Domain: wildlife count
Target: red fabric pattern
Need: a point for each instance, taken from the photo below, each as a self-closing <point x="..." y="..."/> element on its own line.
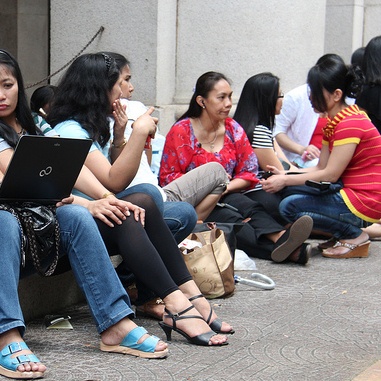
<point x="182" y="153"/>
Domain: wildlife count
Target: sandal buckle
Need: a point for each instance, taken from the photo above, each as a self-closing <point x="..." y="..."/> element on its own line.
<point x="11" y="348"/>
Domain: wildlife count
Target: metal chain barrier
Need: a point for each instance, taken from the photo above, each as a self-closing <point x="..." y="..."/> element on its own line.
<point x="46" y="79"/>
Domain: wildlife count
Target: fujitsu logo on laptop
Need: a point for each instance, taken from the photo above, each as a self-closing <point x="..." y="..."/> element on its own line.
<point x="45" y="172"/>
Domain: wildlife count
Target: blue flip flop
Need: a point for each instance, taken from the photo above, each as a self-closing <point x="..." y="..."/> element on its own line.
<point x="9" y="364"/>
<point x="131" y="346"/>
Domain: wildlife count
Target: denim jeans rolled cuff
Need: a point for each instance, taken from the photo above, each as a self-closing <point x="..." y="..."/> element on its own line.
<point x="92" y="268"/>
<point x="329" y="213"/>
<point x="19" y="324"/>
<point x="149" y="189"/>
<point x="195" y="185"/>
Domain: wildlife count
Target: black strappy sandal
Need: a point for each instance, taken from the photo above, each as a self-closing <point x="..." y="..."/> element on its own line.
<point x="216" y="324"/>
<point x="202" y="339"/>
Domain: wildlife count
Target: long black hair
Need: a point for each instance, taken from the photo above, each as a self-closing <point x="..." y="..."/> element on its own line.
<point x="204" y="86"/>
<point x="256" y="105"/>
<point x="331" y="74"/>
<point x="23" y="113"/>
<point x="371" y="63"/>
<point x="83" y="95"/>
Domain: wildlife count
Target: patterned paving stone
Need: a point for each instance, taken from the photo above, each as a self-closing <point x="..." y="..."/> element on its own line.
<point x="321" y="322"/>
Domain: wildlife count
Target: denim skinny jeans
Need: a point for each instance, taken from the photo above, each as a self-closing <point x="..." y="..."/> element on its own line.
<point x="329" y="212"/>
<point x="95" y="275"/>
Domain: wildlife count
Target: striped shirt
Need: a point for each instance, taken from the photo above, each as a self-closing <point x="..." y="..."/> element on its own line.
<point x="362" y="177"/>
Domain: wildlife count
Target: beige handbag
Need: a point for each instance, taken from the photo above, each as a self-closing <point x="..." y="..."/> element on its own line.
<point x="210" y="262"/>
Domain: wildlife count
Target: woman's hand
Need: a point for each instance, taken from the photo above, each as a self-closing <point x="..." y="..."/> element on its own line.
<point x="121" y="118"/>
<point x="146" y="123"/>
<point x="311" y="153"/>
<point x="112" y="209"/>
<point x="275" y="170"/>
<point x="274" y="183"/>
<point x="65" y="201"/>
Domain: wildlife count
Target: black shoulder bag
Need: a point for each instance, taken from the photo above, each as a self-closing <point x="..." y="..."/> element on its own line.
<point x="40" y="234"/>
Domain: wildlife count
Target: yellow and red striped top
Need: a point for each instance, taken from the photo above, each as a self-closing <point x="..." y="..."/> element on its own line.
<point x="362" y="177"/>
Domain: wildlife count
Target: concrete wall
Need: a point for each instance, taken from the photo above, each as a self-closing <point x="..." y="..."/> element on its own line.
<point x="25" y="33"/>
<point x="344" y="27"/>
<point x="372" y="20"/>
<point x="33" y="39"/>
<point x="8" y="35"/>
<point x="171" y="43"/>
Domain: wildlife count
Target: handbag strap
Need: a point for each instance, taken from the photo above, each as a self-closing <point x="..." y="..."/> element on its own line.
<point x="214" y="234"/>
<point x="27" y="222"/>
<point x="8" y="209"/>
<point x="28" y="238"/>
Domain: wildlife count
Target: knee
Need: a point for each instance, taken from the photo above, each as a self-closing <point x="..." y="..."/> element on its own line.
<point x="189" y="215"/>
<point x="288" y="208"/>
<point x="181" y="218"/>
<point x="75" y="214"/>
<point x="180" y="211"/>
<point x="219" y="175"/>
<point x="218" y="170"/>
<point x="144" y="200"/>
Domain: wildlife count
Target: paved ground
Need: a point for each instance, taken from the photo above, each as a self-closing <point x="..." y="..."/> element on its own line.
<point x="320" y="323"/>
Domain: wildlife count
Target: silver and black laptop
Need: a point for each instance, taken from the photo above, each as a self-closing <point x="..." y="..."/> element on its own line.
<point x="43" y="169"/>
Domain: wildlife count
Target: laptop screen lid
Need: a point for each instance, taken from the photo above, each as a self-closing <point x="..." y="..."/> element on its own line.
<point x="43" y="169"/>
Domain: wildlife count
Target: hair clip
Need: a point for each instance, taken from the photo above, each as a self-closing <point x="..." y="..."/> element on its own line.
<point x="107" y="59"/>
<point x="5" y="53"/>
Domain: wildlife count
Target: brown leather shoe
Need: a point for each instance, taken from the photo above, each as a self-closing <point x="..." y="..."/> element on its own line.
<point x="154" y="309"/>
<point x="327" y="244"/>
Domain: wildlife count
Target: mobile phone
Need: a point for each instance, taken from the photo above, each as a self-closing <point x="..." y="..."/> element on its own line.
<point x="228" y="206"/>
<point x="321" y="185"/>
<point x="267" y="174"/>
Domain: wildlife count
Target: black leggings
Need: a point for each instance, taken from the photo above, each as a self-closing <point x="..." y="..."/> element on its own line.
<point x="150" y="252"/>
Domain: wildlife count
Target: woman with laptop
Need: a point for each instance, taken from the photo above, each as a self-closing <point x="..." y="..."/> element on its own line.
<point x="86" y="96"/>
<point x="81" y="239"/>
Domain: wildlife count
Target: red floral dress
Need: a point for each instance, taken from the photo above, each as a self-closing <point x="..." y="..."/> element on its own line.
<point x="182" y="153"/>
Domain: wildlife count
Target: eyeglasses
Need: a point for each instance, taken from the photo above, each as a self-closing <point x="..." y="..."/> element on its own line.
<point x="281" y="95"/>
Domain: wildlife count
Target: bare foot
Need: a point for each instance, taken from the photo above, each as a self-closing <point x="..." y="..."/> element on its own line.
<point x="28" y="369"/>
<point x="340" y="250"/>
<point x="114" y="335"/>
<point x="177" y="302"/>
<point x="374" y="230"/>
<point x="209" y="315"/>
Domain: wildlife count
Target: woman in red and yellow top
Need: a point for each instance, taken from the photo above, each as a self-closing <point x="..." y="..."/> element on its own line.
<point x="351" y="153"/>
<point x="204" y="134"/>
